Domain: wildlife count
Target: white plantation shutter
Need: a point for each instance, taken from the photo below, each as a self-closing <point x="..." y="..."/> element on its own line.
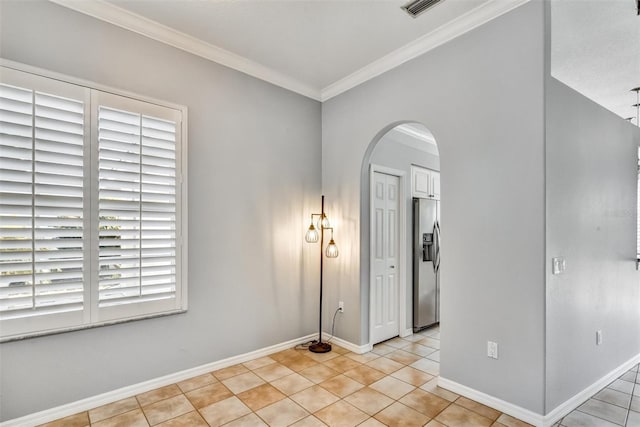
<point x="137" y="204"/>
<point x="42" y="202"/>
<point x="137" y="163"/>
<point x="638" y="211"/>
<point x="90" y="206"/>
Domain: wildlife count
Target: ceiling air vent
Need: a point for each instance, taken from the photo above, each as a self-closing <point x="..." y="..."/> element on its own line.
<point x="416" y="7"/>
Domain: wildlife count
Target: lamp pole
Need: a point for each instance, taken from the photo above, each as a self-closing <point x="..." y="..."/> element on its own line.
<point x="321" y="347"/>
<point x="331" y="252"/>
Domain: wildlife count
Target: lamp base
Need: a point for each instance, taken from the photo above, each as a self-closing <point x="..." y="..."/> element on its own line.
<point x="321" y="347"/>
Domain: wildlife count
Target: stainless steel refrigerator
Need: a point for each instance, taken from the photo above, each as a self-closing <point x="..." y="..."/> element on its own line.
<point x="426" y="263"/>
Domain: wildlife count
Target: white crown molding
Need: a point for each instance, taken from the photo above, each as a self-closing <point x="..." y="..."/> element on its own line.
<point x="116" y="15"/>
<point x="463" y="24"/>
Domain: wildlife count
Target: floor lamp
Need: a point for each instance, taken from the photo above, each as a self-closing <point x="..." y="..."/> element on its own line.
<point x="330" y="252"/>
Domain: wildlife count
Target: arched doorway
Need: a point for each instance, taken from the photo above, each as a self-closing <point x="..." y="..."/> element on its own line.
<point x="388" y="185"/>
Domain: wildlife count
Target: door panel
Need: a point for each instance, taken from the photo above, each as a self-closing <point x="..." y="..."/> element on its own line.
<point x="385" y="232"/>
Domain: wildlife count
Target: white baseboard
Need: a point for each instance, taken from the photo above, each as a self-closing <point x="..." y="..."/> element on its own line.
<point x="532" y="417"/>
<point x="493" y="402"/>
<point x="358" y="349"/>
<point x="112" y="396"/>
<point x="572" y="403"/>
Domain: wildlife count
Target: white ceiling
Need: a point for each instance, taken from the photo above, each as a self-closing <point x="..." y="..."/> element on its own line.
<point x="317" y="42"/>
<point x="595" y="49"/>
<point x="320" y="48"/>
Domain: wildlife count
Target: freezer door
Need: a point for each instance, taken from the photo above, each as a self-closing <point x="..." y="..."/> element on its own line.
<point x="424" y="263"/>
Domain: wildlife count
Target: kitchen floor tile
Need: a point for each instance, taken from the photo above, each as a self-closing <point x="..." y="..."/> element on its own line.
<point x="272" y="372"/>
<point x="604" y="410"/>
<point x="116" y="408"/>
<point x="432" y="387"/>
<point x="166" y="409"/>
<point x="397" y="415"/>
<point x="369" y="400"/>
<point x="191" y="419"/>
<point x="76" y="420"/>
<point x="412" y="376"/>
<point x="364" y="374"/>
<point x="425" y="402"/>
<point x="291" y="384"/>
<point x="249" y="420"/>
<point x="392" y="387"/>
<point x="258" y="363"/>
<point x="341" y="414"/>
<point x="196" y="382"/>
<point x="384" y="364"/>
<point x="341" y="385"/>
<point x="133" y="418"/>
<point x="207" y="395"/>
<point x="457" y="416"/>
<point x="580" y="419"/>
<point x="261" y="396"/>
<point x="314" y="398"/>
<point x="478" y="408"/>
<point x="319" y="373"/>
<point x="224" y="411"/>
<point x="614" y="397"/>
<point x="282" y="413"/>
<point x="428" y="366"/>
<point x="309" y="421"/>
<point x="342" y="364"/>
<point x="402" y="356"/>
<point x="509" y="421"/>
<point x="243" y="382"/>
<point x="158" y="394"/>
<point x="231" y="371"/>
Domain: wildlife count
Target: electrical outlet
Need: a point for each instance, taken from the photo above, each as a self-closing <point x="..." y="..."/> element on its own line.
<point x="341" y="306"/>
<point x="492" y="349"/>
<point x="598" y="337"/>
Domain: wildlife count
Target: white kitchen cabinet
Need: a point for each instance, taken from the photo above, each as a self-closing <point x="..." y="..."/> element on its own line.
<point x="425" y="183"/>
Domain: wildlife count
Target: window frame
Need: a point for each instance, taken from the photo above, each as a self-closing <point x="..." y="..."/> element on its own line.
<point x="91" y="314"/>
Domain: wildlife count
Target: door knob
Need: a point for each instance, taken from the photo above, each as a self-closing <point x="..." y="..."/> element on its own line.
<point x="392" y="266"/>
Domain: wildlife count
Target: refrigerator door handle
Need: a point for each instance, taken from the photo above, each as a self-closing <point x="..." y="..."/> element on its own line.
<point x="437" y="246"/>
<point x="434" y="248"/>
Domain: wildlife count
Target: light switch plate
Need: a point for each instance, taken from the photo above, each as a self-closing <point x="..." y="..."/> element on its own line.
<point x="492" y="349"/>
<point x="559" y="265"/>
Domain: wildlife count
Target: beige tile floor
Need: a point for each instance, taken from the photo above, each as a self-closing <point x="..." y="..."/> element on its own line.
<point x="616" y="405"/>
<point x="393" y="385"/>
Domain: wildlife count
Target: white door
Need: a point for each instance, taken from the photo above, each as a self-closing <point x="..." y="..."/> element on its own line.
<point x="384" y="245"/>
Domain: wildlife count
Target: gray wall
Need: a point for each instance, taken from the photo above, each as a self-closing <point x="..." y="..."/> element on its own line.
<point x="482" y="97"/>
<point x="591" y="167"/>
<point x="390" y="153"/>
<point x="254" y="176"/>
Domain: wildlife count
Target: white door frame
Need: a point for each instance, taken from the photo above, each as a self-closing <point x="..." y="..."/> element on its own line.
<point x="402" y="242"/>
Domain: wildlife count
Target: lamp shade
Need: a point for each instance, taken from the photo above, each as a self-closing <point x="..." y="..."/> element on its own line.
<point x="332" y="250"/>
<point x="312" y="235"/>
<point x="323" y="222"/>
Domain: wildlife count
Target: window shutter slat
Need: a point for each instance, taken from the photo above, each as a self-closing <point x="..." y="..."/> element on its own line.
<point x="89" y="224"/>
<point x="42" y="135"/>
<point x="137" y="168"/>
